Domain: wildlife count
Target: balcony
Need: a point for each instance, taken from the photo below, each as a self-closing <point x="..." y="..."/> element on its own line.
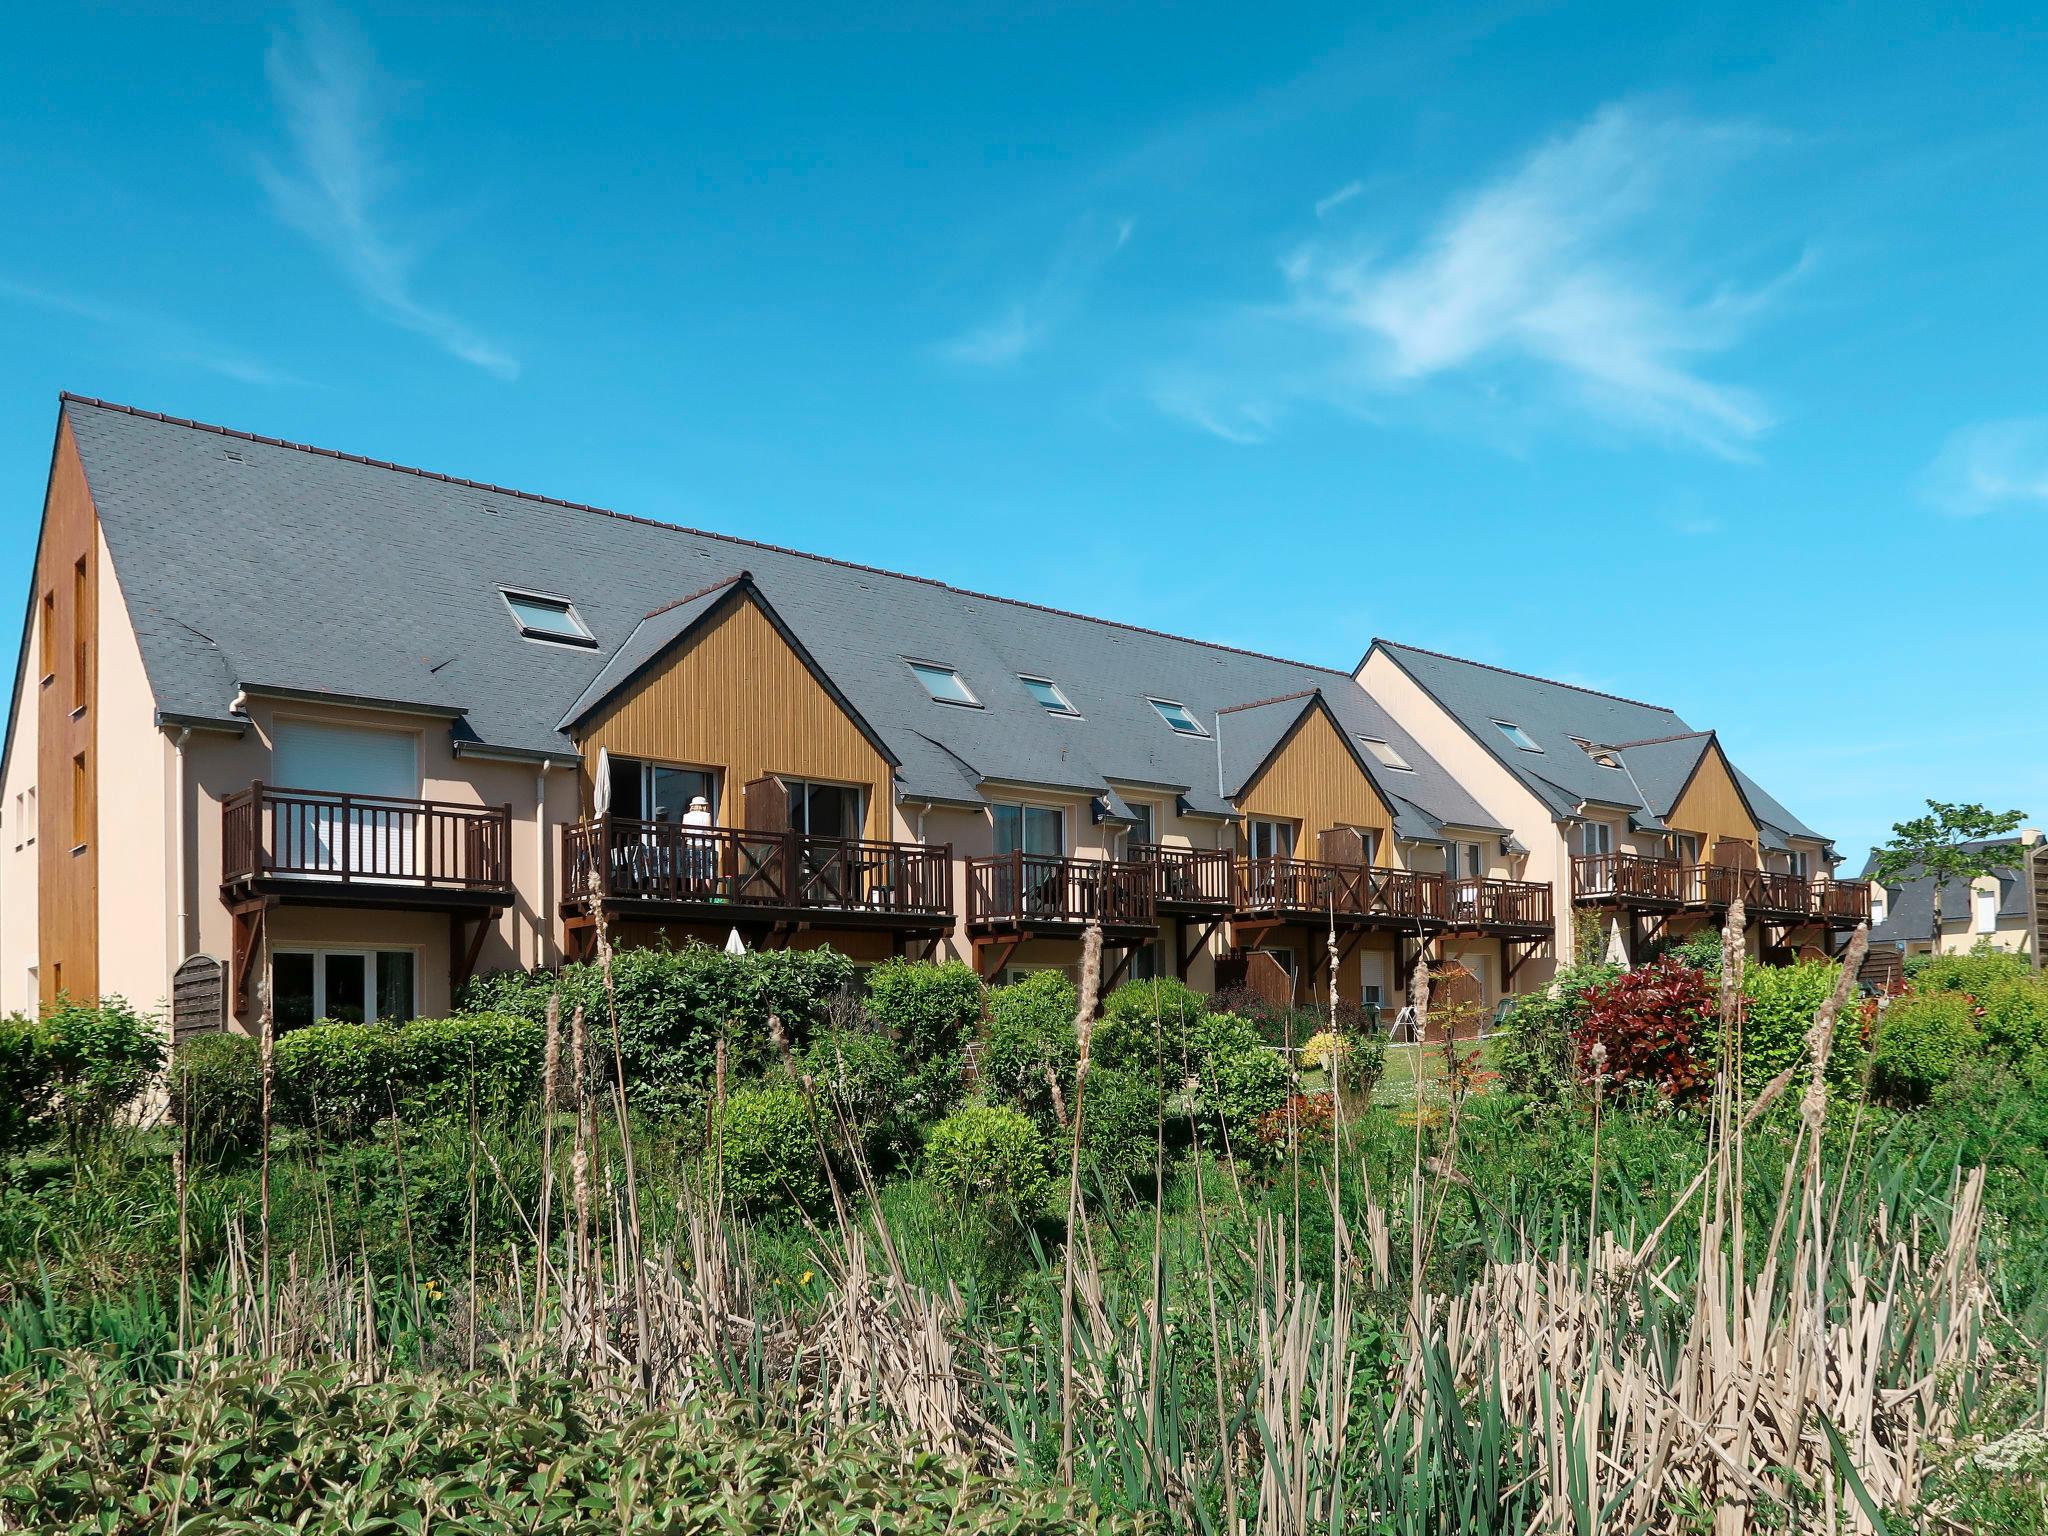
<point x="1841" y="903"/>
<point x="1764" y="893"/>
<point x="662" y="870"/>
<point x="333" y="849"/>
<point x="1351" y="895"/>
<point x="1627" y="880"/>
<point x="1035" y="893"/>
<point x="1186" y="882"/>
<point x="1495" y="906"/>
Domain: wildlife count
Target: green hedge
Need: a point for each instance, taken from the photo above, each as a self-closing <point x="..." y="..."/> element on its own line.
<point x="217" y="1094"/>
<point x="341" y="1079"/>
<point x="1031" y="1045"/>
<point x="768" y="1150"/>
<point x="930" y="1011"/>
<point x="990" y="1161"/>
<point x="1536" y="1054"/>
<point x="1923" y="1040"/>
<point x="73" y="1069"/>
<point x="673" y="1007"/>
<point x="1779" y="1005"/>
<point x="858" y="1076"/>
<point x="1145" y="1029"/>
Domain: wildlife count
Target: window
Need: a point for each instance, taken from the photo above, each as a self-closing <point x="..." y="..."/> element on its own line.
<point x="81" y="802"/>
<point x="351" y="986"/>
<point x="1800" y="862"/>
<point x="1030" y="829"/>
<point x="1595" y="839"/>
<point x="1178" y="716"/>
<point x="1144" y="829"/>
<point x="1987" y="910"/>
<point x="547" y="618"/>
<point x="1878" y="898"/>
<point x="49" y="635"/>
<point x="643" y="791"/>
<point x="1148" y="962"/>
<point x="1464" y="860"/>
<point x="1686" y="846"/>
<point x="1271" y="839"/>
<point x="1047" y="692"/>
<point x="1388" y="757"/>
<point x="81" y="643"/>
<point x="1516" y="735"/>
<point x="944" y="684"/>
<point x="823" y="810"/>
<point x="29" y="827"/>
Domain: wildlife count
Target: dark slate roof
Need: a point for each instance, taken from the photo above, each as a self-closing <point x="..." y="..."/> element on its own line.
<point x="1909" y="906"/>
<point x="252" y="563"/>
<point x="1657" y="750"/>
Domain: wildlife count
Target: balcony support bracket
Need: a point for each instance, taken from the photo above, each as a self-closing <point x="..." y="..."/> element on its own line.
<point x="1193" y="939"/>
<point x="1109" y="982"/>
<point x="1516" y="952"/>
<point x="1002" y="946"/>
<point x="248" y="919"/>
<point x="463" y="949"/>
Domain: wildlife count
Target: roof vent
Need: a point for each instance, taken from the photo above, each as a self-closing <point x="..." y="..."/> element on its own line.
<point x="232" y="455"/>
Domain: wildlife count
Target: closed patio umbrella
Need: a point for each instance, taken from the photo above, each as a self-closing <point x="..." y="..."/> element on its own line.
<point x="734" y="944"/>
<point x="601" y="791"/>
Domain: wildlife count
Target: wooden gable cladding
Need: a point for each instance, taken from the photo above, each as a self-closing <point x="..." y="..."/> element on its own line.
<point x="1711" y="806"/>
<point x="735" y="696"/>
<point x="1314" y="779"/>
<point x="66" y="616"/>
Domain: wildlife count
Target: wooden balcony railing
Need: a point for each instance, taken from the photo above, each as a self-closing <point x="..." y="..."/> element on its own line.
<point x="1311" y="886"/>
<point x="1037" y="888"/>
<point x="1761" y="890"/>
<point x="1186" y="877"/>
<point x="1626" y="877"/>
<point x="1842" y="901"/>
<point x="309" y="834"/>
<point x="666" y="862"/>
<point x="1499" y="903"/>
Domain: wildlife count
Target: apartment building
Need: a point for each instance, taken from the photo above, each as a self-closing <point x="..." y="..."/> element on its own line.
<point x="2002" y="911"/>
<point x="291" y="715"/>
<point x="1628" y="813"/>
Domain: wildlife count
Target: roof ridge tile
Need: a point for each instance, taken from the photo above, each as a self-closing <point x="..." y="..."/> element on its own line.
<point x="1533" y="677"/>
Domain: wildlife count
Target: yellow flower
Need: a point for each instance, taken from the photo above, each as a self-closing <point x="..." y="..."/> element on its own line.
<point x="806" y="1279"/>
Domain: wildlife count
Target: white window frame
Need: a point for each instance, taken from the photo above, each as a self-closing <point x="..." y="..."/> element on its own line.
<point x="1150" y="810"/>
<point x="1685" y="847"/>
<point x="1161" y="708"/>
<point x="583" y="638"/>
<point x="1516" y="737"/>
<point x="1799" y="862"/>
<point x="1065" y="706"/>
<point x="1605" y="839"/>
<point x="1273" y="826"/>
<point x="1456" y="863"/>
<point x="1984" y="910"/>
<point x="369" y="952"/>
<point x="1383" y="752"/>
<point x="919" y="667"/>
<point x="1880" y="904"/>
<point x="1023" y="808"/>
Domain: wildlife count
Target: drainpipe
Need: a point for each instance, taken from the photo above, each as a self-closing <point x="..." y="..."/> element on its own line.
<point x="540" y="864"/>
<point x="183" y="935"/>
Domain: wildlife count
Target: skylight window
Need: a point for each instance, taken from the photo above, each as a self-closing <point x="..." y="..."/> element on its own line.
<point x="1048" y="693"/>
<point x="1517" y="735"/>
<point x="547" y="618"/>
<point x="1178" y="716"/>
<point x="1384" y="751"/>
<point x="1600" y="755"/>
<point x="944" y="684"/>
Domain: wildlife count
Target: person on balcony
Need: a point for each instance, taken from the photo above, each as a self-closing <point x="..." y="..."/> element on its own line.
<point x="700" y="849"/>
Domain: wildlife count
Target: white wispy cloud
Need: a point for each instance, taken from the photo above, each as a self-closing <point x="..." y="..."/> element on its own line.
<point x="1325" y="206"/>
<point x="164" y="337"/>
<point x="1564" y="269"/>
<point x="1026" y="323"/>
<point x="335" y="185"/>
<point x="1990" y="465"/>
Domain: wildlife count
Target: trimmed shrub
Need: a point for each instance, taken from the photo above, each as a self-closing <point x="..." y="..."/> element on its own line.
<point x="990" y="1161"/>
<point x="217" y="1093"/>
<point x="674" y="1005"/>
<point x="1700" y="949"/>
<point x="929" y="1010"/>
<point x="434" y="1063"/>
<point x="1976" y="972"/>
<point x="1241" y="1076"/>
<point x="335" y="1078"/>
<point x="768" y="1150"/>
<point x="1031" y="1045"/>
<point x="858" y="1074"/>
<point x="24" y="1082"/>
<point x="96" y="1059"/>
<point x="2015" y="1015"/>
<point x="1119" y="1125"/>
<point x="1144" y="1028"/>
<point x="1653" y="1023"/>
<point x="1923" y="1039"/>
<point x="1778" y="1007"/>
<point x="1537" y="1053"/>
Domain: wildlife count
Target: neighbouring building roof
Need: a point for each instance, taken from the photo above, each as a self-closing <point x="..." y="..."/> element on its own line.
<point x="250" y="564"/>
<point x="1909" y="901"/>
<point x="1653" y="751"/>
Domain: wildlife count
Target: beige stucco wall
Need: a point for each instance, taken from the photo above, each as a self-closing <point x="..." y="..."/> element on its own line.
<point x="135" y="894"/>
<point x="19" y="871"/>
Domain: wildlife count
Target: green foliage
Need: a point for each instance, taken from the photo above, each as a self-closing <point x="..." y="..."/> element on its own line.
<point x="929" y="1010"/>
<point x="1031" y="1044"/>
<point x="340" y="1079"/>
<point x="94" y="1060"/>
<point x="1778" y="1007"/>
<point x="1953" y="844"/>
<point x="337" y="1078"/>
<point x="1923" y="1039"/>
<point x="1981" y="969"/>
<point x="1242" y="1077"/>
<point x="24" y="1082"/>
<point x="239" y="1444"/>
<point x="1535" y="1052"/>
<point x="1119" y="1125"/>
<point x="989" y="1160"/>
<point x="768" y="1150"/>
<point x="1649" y="1028"/>
<point x="217" y="1093"/>
<point x="673" y="1007"/>
<point x="859" y="1078"/>
<point x="1700" y="949"/>
<point x="1144" y="1028"/>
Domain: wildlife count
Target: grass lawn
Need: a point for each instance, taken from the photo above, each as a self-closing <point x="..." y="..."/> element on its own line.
<point x="1397" y="1084"/>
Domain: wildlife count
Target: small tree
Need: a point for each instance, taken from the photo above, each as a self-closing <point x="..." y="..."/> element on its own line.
<point x="1950" y="843"/>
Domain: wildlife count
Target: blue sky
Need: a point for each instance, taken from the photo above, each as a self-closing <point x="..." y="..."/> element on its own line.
<point x="1698" y="359"/>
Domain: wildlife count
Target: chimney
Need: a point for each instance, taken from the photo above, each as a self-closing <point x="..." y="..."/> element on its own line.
<point x="2029" y="836"/>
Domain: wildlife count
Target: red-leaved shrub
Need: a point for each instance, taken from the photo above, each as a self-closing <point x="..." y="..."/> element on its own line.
<point x="1655" y="1023"/>
<point x="1307" y="1118"/>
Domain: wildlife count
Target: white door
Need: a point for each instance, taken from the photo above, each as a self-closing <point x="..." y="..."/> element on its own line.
<point x="315" y="834"/>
